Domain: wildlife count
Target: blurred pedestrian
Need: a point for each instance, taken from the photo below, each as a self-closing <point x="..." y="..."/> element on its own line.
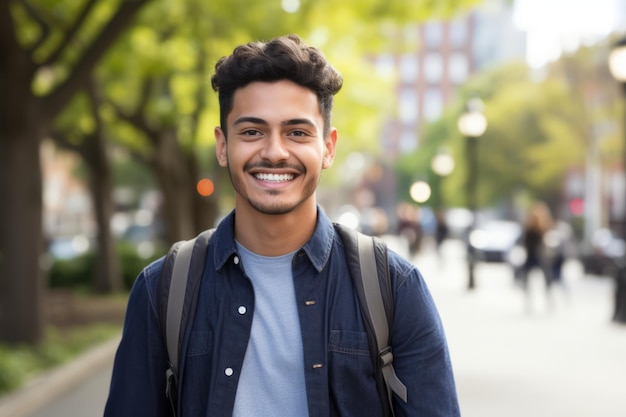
<point x="409" y="226"/>
<point x="441" y="230"/>
<point x="277" y="329"/>
<point x="543" y="248"/>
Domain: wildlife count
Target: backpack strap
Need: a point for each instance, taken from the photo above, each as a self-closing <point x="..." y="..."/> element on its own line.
<point x="178" y="295"/>
<point x="368" y="263"/>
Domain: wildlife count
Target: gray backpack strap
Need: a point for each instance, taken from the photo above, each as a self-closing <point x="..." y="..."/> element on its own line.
<point x="178" y="294"/>
<point x="367" y="259"/>
<point x="378" y="315"/>
<point x="176" y="299"/>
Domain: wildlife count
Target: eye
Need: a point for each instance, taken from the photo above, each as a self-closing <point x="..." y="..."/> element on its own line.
<point x="250" y="132"/>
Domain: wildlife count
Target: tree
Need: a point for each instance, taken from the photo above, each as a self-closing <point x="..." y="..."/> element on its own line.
<point x="89" y="141"/>
<point x="39" y="47"/>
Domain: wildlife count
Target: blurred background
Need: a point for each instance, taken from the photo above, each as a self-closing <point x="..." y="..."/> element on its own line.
<point x="456" y="120"/>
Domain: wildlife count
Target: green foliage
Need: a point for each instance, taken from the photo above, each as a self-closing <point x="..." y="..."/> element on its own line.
<point x="18" y="363"/>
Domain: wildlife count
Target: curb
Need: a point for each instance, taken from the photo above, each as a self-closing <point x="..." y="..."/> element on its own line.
<point x="44" y="388"/>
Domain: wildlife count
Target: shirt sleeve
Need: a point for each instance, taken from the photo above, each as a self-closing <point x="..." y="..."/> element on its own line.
<point x="138" y="380"/>
<point x="420" y="352"/>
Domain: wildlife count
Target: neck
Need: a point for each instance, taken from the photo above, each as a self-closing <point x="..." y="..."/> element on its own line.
<point x="274" y="235"/>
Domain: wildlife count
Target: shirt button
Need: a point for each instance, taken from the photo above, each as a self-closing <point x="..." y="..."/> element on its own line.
<point x="242" y="310"/>
<point x="236" y="260"/>
<point x="228" y="371"/>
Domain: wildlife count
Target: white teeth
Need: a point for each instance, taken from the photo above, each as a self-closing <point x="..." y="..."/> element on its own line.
<point x="274" y="177"/>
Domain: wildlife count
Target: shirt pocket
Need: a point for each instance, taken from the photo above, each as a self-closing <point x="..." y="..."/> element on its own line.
<point x="349" y="343"/>
<point x="200" y="343"/>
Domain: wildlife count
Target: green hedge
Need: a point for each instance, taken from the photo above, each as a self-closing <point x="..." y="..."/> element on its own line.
<point x="78" y="273"/>
<point x="19" y="363"/>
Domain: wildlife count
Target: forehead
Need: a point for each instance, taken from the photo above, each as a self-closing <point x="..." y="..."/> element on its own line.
<point x="281" y="100"/>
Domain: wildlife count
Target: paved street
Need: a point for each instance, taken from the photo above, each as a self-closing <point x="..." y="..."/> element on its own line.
<point x="84" y="400"/>
<point x="562" y="359"/>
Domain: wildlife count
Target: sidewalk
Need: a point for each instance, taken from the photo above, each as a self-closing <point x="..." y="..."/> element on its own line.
<point x="50" y="385"/>
<point x="568" y="360"/>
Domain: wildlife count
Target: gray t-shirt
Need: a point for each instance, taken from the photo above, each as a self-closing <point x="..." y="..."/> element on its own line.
<point x="272" y="378"/>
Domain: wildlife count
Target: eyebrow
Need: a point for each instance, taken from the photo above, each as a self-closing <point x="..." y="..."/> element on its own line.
<point x="257" y="120"/>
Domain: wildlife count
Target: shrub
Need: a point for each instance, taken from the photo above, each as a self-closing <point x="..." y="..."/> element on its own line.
<point x="72" y="273"/>
<point x="78" y="273"/>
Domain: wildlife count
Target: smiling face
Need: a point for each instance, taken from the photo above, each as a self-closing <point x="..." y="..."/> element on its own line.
<point x="275" y="150"/>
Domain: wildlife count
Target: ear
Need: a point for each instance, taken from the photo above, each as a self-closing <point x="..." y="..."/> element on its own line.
<point x="220" y="147"/>
<point x="329" y="148"/>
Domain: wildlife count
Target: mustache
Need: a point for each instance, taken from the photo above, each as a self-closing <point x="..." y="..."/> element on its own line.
<point x="269" y="165"/>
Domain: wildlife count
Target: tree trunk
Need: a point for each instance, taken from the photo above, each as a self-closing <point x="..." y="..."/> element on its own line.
<point x="177" y="186"/>
<point x="108" y="277"/>
<point x="21" y="240"/>
<point x="21" y="279"/>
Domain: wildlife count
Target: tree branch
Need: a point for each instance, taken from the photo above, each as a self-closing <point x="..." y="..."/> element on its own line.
<point x="80" y="74"/>
<point x="69" y="35"/>
<point x="202" y="90"/>
<point x="45" y="28"/>
<point x="138" y="121"/>
<point x="94" y="102"/>
<point x="146" y="86"/>
<point x="62" y="141"/>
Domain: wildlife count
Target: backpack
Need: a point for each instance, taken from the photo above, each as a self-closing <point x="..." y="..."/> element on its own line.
<point x="367" y="261"/>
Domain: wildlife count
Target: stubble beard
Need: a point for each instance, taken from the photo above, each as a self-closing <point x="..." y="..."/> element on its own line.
<point x="273" y="208"/>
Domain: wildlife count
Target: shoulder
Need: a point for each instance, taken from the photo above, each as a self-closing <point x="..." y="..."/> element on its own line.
<point x="152" y="272"/>
<point x="401" y="269"/>
<point x="147" y="282"/>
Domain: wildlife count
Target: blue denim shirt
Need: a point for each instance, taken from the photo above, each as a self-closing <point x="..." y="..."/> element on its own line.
<point x="338" y="370"/>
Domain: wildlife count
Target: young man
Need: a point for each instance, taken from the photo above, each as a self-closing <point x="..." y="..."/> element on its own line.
<point x="278" y="329"/>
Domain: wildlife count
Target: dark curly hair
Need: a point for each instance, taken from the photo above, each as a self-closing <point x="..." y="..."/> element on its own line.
<point x="282" y="58"/>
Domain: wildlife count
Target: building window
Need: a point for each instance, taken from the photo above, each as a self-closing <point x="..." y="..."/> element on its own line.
<point x="408" y="140"/>
<point x="407" y="105"/>
<point x="433" y="35"/>
<point x="458" y="33"/>
<point x="409" y="65"/>
<point x="433" y="67"/>
<point x="458" y="68"/>
<point x="433" y="104"/>
<point x="385" y="66"/>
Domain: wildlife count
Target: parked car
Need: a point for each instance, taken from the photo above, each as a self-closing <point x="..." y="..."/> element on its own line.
<point x="70" y="247"/>
<point x="496" y="241"/>
<point x="603" y="254"/>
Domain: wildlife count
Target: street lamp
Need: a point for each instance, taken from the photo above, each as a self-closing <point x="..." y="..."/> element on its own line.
<point x="442" y="164"/>
<point x="472" y="124"/>
<point x="617" y="65"/>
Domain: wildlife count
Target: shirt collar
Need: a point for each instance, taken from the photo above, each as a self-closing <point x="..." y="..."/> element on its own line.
<point x="317" y="249"/>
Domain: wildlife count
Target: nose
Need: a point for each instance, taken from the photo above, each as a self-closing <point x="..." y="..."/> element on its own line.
<point x="275" y="148"/>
